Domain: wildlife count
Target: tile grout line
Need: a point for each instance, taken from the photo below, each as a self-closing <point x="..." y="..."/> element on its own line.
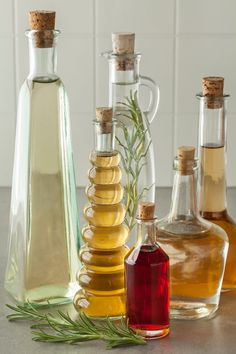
<point x="94" y="56"/>
<point x="174" y="79"/>
<point x="15" y="58"/>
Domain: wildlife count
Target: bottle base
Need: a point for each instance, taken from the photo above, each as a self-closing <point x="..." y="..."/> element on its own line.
<point x="45" y="296"/>
<point x="151" y="334"/>
<point x="100" y="307"/>
<point x="183" y="310"/>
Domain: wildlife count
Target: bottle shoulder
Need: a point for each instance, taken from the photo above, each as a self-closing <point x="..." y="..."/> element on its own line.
<point x="192" y="229"/>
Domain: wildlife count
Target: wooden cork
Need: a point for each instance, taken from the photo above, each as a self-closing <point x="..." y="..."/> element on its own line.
<point x="186" y="158"/>
<point x="104" y="116"/>
<point x="146" y="210"/>
<point x="213" y="89"/>
<point x="122" y="45"/>
<point x="43" y="22"/>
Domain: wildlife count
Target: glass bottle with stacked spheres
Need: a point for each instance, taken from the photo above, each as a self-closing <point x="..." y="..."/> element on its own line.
<point x="101" y="279"/>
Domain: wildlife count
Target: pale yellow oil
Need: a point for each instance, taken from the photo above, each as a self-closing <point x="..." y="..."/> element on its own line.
<point x="102" y="277"/>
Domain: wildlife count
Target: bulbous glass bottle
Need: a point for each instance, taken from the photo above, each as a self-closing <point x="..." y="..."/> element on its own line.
<point x="197" y="248"/>
<point x="101" y="278"/>
<point x="42" y="260"/>
<point x="133" y="137"/>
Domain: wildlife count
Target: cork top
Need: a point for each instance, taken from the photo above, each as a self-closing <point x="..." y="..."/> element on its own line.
<point x="42" y="20"/>
<point x="213" y="86"/>
<point x="146" y="210"/>
<point x="185" y="160"/>
<point x="43" y="23"/>
<point x="104" y="114"/>
<point x="186" y="152"/>
<point x="104" y="117"/>
<point x="123" y="43"/>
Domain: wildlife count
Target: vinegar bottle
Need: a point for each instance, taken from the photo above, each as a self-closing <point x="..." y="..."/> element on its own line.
<point x="133" y="137"/>
<point x="197" y="248"/>
<point x="147" y="279"/>
<point x="101" y="279"/>
<point x="42" y="259"/>
<point x="212" y="146"/>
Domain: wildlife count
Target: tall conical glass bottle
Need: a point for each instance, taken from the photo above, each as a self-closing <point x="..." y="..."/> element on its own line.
<point x="42" y="259"/>
<point x="101" y="279"/>
<point x="212" y="152"/>
<point x="197" y="248"/>
<point x="133" y="137"/>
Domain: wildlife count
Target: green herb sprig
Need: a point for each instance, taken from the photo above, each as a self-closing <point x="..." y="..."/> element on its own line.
<point x="133" y="146"/>
<point x="61" y="328"/>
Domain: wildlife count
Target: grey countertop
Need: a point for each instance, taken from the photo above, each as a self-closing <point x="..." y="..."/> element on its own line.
<point x="215" y="336"/>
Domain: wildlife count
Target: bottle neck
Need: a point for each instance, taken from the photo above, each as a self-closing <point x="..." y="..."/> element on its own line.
<point x="42" y="57"/>
<point x="146" y="232"/>
<point x="104" y="136"/>
<point x="123" y="79"/>
<point x="184" y="197"/>
<point x="212" y="154"/>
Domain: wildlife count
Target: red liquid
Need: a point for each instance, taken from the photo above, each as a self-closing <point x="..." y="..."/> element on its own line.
<point x="147" y="289"/>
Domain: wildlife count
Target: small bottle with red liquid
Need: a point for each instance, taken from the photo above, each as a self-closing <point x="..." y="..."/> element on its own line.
<point x="147" y="279"/>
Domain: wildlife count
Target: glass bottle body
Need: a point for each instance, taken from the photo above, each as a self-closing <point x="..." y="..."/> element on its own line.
<point x="147" y="284"/>
<point x="197" y="251"/>
<point x="102" y="276"/>
<point x="133" y="138"/>
<point x="212" y="152"/>
<point x="42" y="259"/>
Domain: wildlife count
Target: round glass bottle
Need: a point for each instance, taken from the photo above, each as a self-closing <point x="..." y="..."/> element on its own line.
<point x="197" y="249"/>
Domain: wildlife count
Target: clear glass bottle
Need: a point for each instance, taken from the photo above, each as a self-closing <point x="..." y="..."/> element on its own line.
<point x="42" y="259"/>
<point x="212" y="152"/>
<point x="147" y="279"/>
<point x="197" y="249"/>
<point x="133" y="137"/>
<point x="101" y="279"/>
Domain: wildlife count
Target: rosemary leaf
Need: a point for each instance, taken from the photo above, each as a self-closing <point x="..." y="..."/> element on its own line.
<point x="61" y="328"/>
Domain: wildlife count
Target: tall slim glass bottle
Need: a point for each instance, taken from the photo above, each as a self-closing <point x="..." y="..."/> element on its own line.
<point x="133" y="137"/>
<point x="197" y="249"/>
<point x="101" y="279"/>
<point x="42" y="259"/>
<point x="212" y="152"/>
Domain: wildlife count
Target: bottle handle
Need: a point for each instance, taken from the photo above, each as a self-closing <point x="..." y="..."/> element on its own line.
<point x="154" y="97"/>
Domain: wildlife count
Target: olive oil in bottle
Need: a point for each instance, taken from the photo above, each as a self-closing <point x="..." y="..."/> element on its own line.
<point x="102" y="276"/>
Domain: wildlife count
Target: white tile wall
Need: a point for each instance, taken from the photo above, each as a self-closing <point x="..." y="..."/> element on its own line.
<point x="181" y="41"/>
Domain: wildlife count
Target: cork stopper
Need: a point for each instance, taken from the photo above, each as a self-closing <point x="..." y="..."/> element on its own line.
<point x="122" y="45"/>
<point x="146" y="210"/>
<point x="104" y="116"/>
<point x="213" y="88"/>
<point x="44" y="22"/>
<point x="186" y="159"/>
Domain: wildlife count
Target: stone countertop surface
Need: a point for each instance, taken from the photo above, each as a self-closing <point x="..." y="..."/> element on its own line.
<point x="215" y="336"/>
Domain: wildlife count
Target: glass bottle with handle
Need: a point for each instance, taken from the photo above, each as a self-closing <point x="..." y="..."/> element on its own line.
<point x="133" y="138"/>
<point x="212" y="152"/>
<point x="44" y="232"/>
<point x="197" y="248"/>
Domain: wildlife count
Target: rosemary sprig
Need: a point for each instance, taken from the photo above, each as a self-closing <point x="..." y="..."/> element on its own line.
<point x="61" y="328"/>
<point x="134" y="145"/>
